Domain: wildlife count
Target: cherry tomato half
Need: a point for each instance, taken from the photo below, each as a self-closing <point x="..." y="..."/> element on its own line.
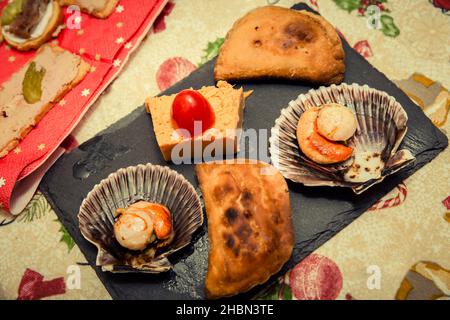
<point x="190" y="106"/>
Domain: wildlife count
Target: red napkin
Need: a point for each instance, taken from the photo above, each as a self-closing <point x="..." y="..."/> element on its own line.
<point x="33" y="287"/>
<point x="106" y="45"/>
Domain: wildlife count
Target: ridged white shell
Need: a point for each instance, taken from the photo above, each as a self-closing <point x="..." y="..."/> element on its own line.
<point x="381" y="128"/>
<point x="126" y="186"/>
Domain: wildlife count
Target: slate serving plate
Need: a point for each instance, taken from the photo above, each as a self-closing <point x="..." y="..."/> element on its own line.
<point x="318" y="212"/>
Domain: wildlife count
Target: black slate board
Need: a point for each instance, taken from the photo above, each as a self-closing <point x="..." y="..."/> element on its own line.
<point x="319" y="213"/>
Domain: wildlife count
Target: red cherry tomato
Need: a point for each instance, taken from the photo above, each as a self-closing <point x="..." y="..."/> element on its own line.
<point x="190" y="106"/>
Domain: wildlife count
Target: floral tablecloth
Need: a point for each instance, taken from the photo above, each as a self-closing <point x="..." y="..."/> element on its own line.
<point x="399" y="249"/>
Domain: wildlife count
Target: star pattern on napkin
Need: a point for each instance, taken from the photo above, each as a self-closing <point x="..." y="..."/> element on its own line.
<point x="120" y="40"/>
<point x="62" y="102"/>
<point x="119" y="25"/>
<point x="17" y="150"/>
<point x="2" y="181"/>
<point x="120" y="9"/>
<point x="117" y="63"/>
<point x="12" y="59"/>
<point x="41" y="146"/>
<point x="85" y="92"/>
<point x="129" y="45"/>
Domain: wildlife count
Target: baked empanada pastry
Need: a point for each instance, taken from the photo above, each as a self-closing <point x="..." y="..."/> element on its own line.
<point x="249" y="224"/>
<point x="276" y="42"/>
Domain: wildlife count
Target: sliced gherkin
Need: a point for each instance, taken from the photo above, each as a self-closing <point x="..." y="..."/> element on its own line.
<point x="12" y="10"/>
<point x="32" y="84"/>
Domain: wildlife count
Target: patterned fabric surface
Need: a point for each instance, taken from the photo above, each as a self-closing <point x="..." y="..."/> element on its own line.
<point x="399" y="249"/>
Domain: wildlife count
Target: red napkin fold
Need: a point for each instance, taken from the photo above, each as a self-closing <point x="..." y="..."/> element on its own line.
<point x="106" y="45"/>
<point x="34" y="287"/>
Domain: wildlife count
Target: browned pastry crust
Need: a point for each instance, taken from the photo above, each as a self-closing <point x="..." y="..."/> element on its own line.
<point x="83" y="69"/>
<point x="56" y="20"/>
<point x="275" y="42"/>
<point x="103" y="13"/>
<point x="249" y="225"/>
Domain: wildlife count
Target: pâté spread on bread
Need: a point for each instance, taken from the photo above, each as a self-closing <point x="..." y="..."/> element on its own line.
<point x="31" y="92"/>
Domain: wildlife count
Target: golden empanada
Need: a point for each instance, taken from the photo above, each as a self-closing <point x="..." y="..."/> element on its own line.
<point x="276" y="42"/>
<point x="249" y="225"/>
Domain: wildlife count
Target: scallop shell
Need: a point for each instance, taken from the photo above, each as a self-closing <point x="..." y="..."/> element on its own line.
<point x="382" y="125"/>
<point x="151" y="183"/>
